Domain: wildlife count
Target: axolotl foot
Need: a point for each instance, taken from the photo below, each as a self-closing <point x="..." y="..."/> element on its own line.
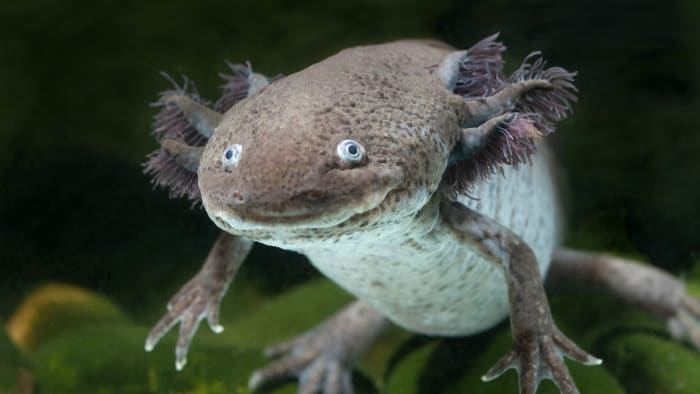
<point x="199" y="298"/>
<point x="539" y="357"/>
<point x="657" y="291"/>
<point x="685" y="323"/>
<point x="322" y="359"/>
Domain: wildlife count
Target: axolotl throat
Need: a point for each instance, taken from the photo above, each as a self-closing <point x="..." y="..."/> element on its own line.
<point x="412" y="174"/>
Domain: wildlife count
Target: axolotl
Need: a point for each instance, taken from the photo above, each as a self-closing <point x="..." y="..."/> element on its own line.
<point x="416" y="177"/>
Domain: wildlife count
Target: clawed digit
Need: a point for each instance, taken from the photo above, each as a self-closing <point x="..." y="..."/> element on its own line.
<point x="542" y="357"/>
<point x="322" y="358"/>
<point x="188" y="307"/>
<point x="304" y="357"/>
<point x="201" y="296"/>
<point x="685" y="324"/>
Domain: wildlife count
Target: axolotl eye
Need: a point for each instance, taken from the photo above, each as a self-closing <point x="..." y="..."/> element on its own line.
<point x="231" y="155"/>
<point x="350" y="151"/>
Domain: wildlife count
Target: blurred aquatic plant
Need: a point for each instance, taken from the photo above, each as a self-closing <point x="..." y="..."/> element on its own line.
<point x="56" y="307"/>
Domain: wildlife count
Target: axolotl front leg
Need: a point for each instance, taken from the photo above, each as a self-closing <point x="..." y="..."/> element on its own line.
<point x="539" y="345"/>
<point x="200" y="298"/>
<point x="322" y="358"/>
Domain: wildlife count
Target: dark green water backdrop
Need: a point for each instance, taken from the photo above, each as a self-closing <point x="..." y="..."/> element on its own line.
<point x="76" y="80"/>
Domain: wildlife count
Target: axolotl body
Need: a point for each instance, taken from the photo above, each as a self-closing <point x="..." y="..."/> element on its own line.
<point x="413" y="175"/>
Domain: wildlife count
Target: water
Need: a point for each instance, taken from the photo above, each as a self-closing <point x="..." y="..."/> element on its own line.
<point x="75" y="83"/>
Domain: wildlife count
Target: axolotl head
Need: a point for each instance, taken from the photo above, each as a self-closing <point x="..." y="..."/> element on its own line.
<point x="365" y="137"/>
<point x="329" y="147"/>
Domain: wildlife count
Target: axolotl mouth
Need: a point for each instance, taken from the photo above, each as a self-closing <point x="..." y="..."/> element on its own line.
<point x="363" y="190"/>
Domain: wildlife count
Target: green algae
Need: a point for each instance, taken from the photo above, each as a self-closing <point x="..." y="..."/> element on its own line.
<point x="652" y="364"/>
<point x="104" y="351"/>
<point x="110" y="358"/>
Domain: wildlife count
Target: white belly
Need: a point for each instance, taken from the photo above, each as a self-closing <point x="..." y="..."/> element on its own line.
<point x="430" y="283"/>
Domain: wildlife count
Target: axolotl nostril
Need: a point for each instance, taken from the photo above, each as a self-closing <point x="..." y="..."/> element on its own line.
<point x="413" y="175"/>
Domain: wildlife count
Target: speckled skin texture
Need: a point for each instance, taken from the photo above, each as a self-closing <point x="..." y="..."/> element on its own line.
<point x="288" y="171"/>
<point x="425" y="279"/>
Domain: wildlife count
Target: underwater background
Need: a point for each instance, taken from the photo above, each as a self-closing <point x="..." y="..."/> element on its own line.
<point x="90" y="253"/>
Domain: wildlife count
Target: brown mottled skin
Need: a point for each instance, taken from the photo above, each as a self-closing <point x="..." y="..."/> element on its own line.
<point x="289" y="172"/>
<point x="397" y="219"/>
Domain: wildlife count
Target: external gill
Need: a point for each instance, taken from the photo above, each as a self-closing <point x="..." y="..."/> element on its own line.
<point x="200" y="117"/>
<point x="479" y="71"/>
<point x="505" y="100"/>
<point x="185" y="156"/>
<point x="172" y="123"/>
<point x="502" y="117"/>
<point x="550" y="105"/>
<point x="239" y="85"/>
<point x="506" y="140"/>
<point x="185" y="123"/>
